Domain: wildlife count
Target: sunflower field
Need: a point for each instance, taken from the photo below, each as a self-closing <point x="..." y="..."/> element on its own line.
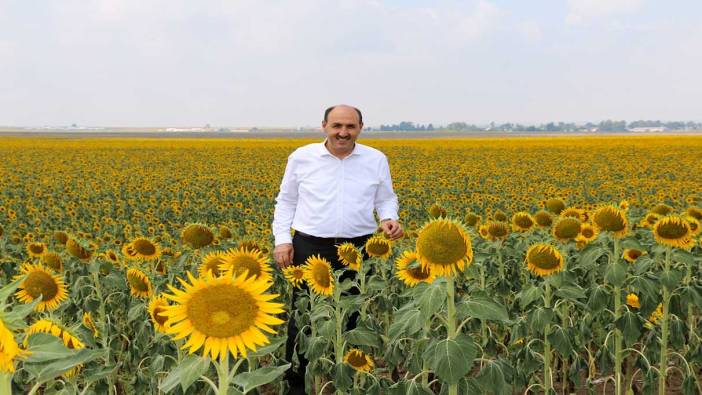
<point x="529" y="265"/>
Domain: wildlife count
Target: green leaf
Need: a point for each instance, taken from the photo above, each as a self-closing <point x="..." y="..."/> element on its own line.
<point x="615" y="273"/>
<point x="630" y="325"/>
<point x="50" y="358"/>
<point x="9" y="289"/>
<point x="185" y="373"/>
<point x="539" y="317"/>
<point x="491" y="379"/>
<point x="570" y="291"/>
<point x="136" y="312"/>
<point x="363" y="337"/>
<point x="529" y="295"/>
<point x="343" y="376"/>
<point x="599" y="299"/>
<point x="452" y="359"/>
<point x="683" y="256"/>
<point x="406" y="323"/>
<point x="671" y="278"/>
<point x="560" y="339"/>
<point x="315" y="347"/>
<point x="270" y="348"/>
<point x="486" y="309"/>
<point x="250" y="380"/>
<point x="431" y="300"/>
<point x="14" y="320"/>
<point x="45" y="347"/>
<point x="589" y="256"/>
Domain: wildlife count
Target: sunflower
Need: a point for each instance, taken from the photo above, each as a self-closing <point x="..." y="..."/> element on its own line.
<point x="694" y="224"/>
<point x="197" y="235"/>
<point x="241" y="260"/>
<point x="139" y="283"/>
<point x="555" y="205"/>
<point x="9" y="349"/>
<point x="575" y="213"/>
<point x="359" y="360"/>
<point x="662" y="209"/>
<point x="649" y="220"/>
<point x="39" y="281"/>
<point x="157" y="306"/>
<point x="89" y="323"/>
<point x="587" y="233"/>
<point x="294" y="274"/>
<point x="211" y="263"/>
<point x="145" y="248"/>
<point x="77" y="250"/>
<point x="624" y="205"/>
<point x="633" y="300"/>
<point x="500" y="216"/>
<point x="543" y="218"/>
<point x="522" y="221"/>
<point x="566" y="229"/>
<point x="544" y="259"/>
<point x="632" y="254"/>
<point x="483" y="231"/>
<point x="436" y="211"/>
<point x="224" y="232"/>
<point x="378" y="246"/>
<point x="52" y="328"/>
<point x="251" y="245"/>
<point x="111" y="256"/>
<point x="53" y="261"/>
<point x="673" y="231"/>
<point x="444" y="247"/>
<point x="318" y="275"/>
<point x="36" y="249"/>
<point x="611" y="219"/>
<point x="410" y="270"/>
<point x="223" y="314"/>
<point x="350" y="256"/>
<point x="496" y="230"/>
<point x="61" y="237"/>
<point x="471" y="219"/>
<point x="655" y="316"/>
<point x="694" y="212"/>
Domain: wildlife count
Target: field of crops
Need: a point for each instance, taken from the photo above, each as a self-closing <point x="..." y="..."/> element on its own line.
<point x="564" y="265"/>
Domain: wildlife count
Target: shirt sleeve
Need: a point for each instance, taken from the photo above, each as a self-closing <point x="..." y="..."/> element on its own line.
<point x="285" y="205"/>
<point x="385" y="199"/>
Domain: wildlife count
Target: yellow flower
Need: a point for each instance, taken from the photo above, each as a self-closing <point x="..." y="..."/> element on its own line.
<point x="611" y="219"/>
<point x="410" y="270"/>
<point x="544" y="259"/>
<point x="242" y="260"/>
<point x="54" y="329"/>
<point x="318" y="275"/>
<point x="89" y="323"/>
<point x="157" y="306"/>
<point x="358" y="360"/>
<point x="222" y="315"/>
<point x="139" y="283"/>
<point x="673" y="231"/>
<point x="632" y="254"/>
<point x="41" y="282"/>
<point x="444" y="247"/>
<point x="9" y="349"/>
<point x="378" y="246"/>
<point x="294" y="274"/>
<point x="350" y="256"/>
<point x="633" y="300"/>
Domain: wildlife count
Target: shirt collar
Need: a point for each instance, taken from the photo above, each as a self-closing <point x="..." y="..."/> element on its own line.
<point x="323" y="151"/>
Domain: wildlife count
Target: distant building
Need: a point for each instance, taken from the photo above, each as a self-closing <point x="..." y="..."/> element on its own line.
<point x="649" y="129"/>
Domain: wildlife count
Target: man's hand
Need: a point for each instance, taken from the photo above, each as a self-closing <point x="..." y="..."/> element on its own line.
<point x="391" y="228"/>
<point x="283" y="254"/>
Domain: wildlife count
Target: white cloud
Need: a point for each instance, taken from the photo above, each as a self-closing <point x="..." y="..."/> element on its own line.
<point x="582" y="11"/>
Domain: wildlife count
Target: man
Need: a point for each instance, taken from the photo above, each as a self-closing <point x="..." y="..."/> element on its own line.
<point x="328" y="194"/>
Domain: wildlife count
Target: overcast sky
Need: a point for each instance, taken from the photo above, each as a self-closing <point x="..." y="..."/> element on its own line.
<point x="280" y="63"/>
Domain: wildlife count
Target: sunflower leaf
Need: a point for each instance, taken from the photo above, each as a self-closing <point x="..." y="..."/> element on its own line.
<point x="185" y="373"/>
<point x="452" y="359"/>
<point x="9" y="289"/>
<point x="269" y="348"/>
<point x="14" y="319"/>
<point x="491" y="379"/>
<point x="405" y="323"/>
<point x="630" y="325"/>
<point x="362" y="337"/>
<point x="49" y="358"/>
<point x="250" y="380"/>
<point x="529" y="295"/>
<point x="486" y="309"/>
<point x="615" y="273"/>
<point x="431" y="300"/>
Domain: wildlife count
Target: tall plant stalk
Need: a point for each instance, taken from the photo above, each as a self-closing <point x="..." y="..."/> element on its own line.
<point x="451" y="320"/>
<point x="548" y="383"/>
<point x="664" y="329"/>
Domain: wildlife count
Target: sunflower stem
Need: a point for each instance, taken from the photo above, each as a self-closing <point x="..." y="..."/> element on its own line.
<point x="548" y="384"/>
<point x="6" y="383"/>
<point x="451" y="320"/>
<point x="691" y="327"/>
<point x="483" y="324"/>
<point x="617" y="294"/>
<point x="223" y="375"/>
<point x="425" y="364"/>
<point x="664" y="329"/>
<point x="103" y="321"/>
<point x="339" y="315"/>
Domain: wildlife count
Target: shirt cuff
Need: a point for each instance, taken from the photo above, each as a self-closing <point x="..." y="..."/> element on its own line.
<point x="388" y="214"/>
<point x="283" y="238"/>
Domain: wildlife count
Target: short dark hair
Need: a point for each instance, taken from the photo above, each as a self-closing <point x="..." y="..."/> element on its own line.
<point x="328" y="110"/>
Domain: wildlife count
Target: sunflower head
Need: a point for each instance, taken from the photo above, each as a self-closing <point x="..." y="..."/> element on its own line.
<point x="611" y="219"/>
<point x="224" y="314"/>
<point x="632" y="254"/>
<point x="350" y="256"/>
<point x="224" y="232"/>
<point x="40" y="281"/>
<point x="359" y="360"/>
<point x="566" y="229"/>
<point x="9" y="349"/>
<point x="318" y="274"/>
<point x="61" y="237"/>
<point x="378" y="246"/>
<point x="36" y="249"/>
<point x="197" y="236"/>
<point x="695" y="212"/>
<point x="633" y="300"/>
<point x="695" y="227"/>
<point x="89" y="323"/>
<point x="77" y="250"/>
<point x="157" y="306"/>
<point x="500" y="216"/>
<point x="662" y="209"/>
<point x="242" y="260"/>
<point x="543" y="218"/>
<point x="436" y="211"/>
<point x="544" y="259"/>
<point x="624" y="205"/>
<point x="145" y="248"/>
<point x="53" y="261"/>
<point x="673" y="231"/>
<point x="409" y="269"/>
<point x="588" y="233"/>
<point x="444" y="247"/>
<point x="523" y="221"/>
<point x="555" y="205"/>
<point x="471" y="219"/>
<point x="211" y="263"/>
<point x="295" y="275"/>
<point x="139" y="283"/>
<point x="251" y="245"/>
<point x="650" y="219"/>
<point x="575" y="213"/>
<point x="497" y="230"/>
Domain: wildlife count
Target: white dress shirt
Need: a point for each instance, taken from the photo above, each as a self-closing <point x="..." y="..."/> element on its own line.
<point x="325" y="196"/>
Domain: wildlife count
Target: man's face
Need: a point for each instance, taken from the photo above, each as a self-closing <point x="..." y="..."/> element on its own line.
<point x="342" y="127"/>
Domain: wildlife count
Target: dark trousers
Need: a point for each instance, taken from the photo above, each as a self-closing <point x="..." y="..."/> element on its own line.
<point x="303" y="247"/>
